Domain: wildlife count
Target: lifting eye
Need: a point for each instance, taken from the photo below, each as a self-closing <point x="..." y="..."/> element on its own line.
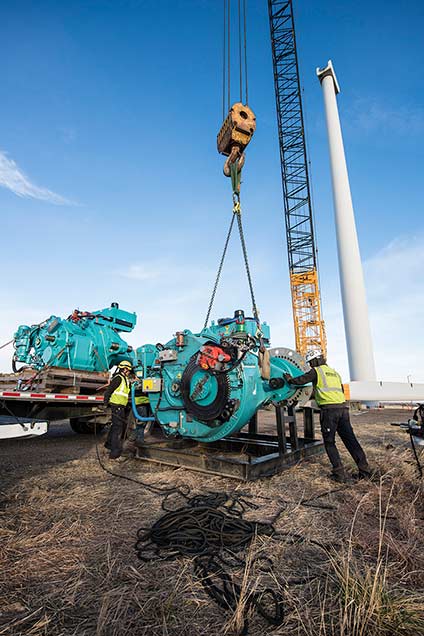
<point x="243" y="114"/>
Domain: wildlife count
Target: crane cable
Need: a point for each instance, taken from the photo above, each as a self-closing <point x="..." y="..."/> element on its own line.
<point x="226" y="55"/>
<point x="235" y="171"/>
<point x="245" y="55"/>
<point x="236" y="214"/>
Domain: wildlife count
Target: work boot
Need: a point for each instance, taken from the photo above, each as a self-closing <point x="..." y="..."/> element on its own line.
<point x="364" y="472"/>
<point x="139" y="435"/>
<point x="338" y="475"/>
<point x="114" y="454"/>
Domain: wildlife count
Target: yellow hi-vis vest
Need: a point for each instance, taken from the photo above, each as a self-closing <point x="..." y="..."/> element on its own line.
<point x="141" y="399"/>
<point x="120" y="395"/>
<point x="329" y="388"/>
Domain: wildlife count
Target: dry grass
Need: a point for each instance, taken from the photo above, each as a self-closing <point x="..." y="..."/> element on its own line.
<point x="68" y="567"/>
<point x="371" y="602"/>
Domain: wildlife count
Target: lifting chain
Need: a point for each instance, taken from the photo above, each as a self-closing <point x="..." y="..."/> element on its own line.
<point x="227" y="240"/>
<point x="235" y="182"/>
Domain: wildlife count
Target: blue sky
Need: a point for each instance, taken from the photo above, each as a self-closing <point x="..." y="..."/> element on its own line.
<point x="112" y="188"/>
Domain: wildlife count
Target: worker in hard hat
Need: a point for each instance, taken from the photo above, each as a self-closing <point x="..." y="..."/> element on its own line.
<point x="334" y="414"/>
<point x="116" y="396"/>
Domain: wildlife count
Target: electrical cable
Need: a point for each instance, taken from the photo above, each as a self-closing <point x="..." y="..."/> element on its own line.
<point x="183" y="490"/>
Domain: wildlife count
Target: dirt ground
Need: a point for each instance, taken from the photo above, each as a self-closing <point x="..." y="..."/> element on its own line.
<point x="67" y="532"/>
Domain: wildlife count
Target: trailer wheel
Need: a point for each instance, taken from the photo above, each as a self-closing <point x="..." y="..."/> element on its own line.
<point x="85" y="427"/>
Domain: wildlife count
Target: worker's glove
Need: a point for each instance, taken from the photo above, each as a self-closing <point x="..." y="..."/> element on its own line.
<point x="276" y="383"/>
<point x="288" y="378"/>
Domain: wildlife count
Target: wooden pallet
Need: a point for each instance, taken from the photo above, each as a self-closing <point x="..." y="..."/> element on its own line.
<point x="9" y="381"/>
<point x="55" y="380"/>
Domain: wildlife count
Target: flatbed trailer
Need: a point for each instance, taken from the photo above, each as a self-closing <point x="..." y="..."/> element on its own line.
<point x="12" y="427"/>
<point x="30" y="412"/>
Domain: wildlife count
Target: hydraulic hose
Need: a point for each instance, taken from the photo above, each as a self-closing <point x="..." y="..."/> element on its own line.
<point x="134" y="407"/>
<point x="15" y="368"/>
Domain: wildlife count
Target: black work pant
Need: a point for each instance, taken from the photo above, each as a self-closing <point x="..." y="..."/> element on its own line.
<point x="336" y="420"/>
<point x="117" y="429"/>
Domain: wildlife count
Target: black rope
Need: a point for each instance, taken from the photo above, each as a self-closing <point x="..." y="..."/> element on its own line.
<point x="210" y="527"/>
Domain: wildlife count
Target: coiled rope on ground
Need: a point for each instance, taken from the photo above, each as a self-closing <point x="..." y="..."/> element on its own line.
<point x="210" y="528"/>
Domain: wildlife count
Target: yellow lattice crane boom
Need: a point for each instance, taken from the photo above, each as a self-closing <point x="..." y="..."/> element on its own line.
<point x="308" y="323"/>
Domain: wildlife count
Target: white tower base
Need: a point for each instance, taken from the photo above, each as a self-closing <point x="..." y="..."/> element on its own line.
<point x="355" y="311"/>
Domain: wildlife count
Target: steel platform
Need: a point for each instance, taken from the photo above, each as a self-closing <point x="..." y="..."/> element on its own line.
<point x="246" y="456"/>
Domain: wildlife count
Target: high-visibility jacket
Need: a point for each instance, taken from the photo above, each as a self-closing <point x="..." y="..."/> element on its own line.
<point x="120" y="395"/>
<point x="328" y="389"/>
<point x="141" y="399"/>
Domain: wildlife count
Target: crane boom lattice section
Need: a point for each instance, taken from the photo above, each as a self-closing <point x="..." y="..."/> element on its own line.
<point x="308" y="323"/>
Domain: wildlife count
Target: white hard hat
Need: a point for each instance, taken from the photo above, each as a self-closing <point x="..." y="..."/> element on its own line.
<point x="312" y="353"/>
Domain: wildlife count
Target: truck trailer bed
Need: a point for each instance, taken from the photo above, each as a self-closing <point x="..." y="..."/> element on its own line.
<point x="14" y="427"/>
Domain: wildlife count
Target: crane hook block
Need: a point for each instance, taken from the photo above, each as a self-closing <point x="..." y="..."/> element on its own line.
<point x="237" y="130"/>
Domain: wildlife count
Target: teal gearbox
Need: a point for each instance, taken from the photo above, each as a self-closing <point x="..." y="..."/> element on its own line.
<point x="85" y="341"/>
<point x="208" y="385"/>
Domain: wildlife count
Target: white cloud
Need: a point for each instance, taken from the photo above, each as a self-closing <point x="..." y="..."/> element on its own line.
<point x="371" y="115"/>
<point x="170" y="298"/>
<point x="140" y="271"/>
<point x="12" y="178"/>
<point x="394" y="283"/>
<point x="165" y="272"/>
<point x="394" y="279"/>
